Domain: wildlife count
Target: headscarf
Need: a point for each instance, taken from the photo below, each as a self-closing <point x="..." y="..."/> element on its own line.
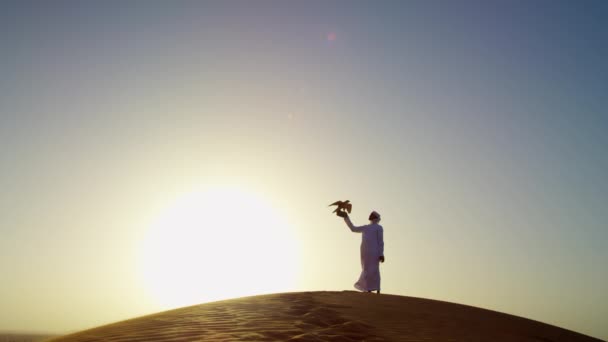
<point x="374" y="216"/>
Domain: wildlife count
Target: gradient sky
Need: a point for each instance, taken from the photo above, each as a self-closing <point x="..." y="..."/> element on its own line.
<point x="477" y="129"/>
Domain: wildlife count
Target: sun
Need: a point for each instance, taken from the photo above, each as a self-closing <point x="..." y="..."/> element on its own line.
<point x="216" y="244"/>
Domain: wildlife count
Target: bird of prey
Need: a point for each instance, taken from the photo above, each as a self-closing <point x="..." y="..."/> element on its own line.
<point x="343" y="205"/>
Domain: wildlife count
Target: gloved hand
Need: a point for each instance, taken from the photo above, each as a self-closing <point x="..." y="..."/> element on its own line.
<point x="342" y="214"/>
<point x="381" y="258"/>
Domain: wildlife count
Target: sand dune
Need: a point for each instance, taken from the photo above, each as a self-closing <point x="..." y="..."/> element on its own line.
<point x="328" y="316"/>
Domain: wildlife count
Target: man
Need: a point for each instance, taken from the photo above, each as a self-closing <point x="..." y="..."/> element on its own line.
<point x="372" y="251"/>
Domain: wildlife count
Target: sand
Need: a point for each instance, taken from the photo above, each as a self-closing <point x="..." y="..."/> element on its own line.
<point x="23" y="337"/>
<point x="328" y="316"/>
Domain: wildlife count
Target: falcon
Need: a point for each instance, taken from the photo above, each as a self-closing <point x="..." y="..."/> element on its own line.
<point x="342" y="205"/>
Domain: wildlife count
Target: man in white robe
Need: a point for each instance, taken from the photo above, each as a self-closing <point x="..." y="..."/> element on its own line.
<point x="372" y="251"/>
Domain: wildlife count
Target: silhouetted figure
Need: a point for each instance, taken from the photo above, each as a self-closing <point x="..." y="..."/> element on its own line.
<point x="372" y="251"/>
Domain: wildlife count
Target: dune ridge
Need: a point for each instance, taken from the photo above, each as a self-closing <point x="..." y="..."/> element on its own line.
<point x="328" y="316"/>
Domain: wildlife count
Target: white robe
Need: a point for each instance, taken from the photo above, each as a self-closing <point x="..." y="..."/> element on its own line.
<point x="372" y="247"/>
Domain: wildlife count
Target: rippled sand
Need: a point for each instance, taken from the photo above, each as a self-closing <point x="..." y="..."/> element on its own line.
<point x="328" y="316"/>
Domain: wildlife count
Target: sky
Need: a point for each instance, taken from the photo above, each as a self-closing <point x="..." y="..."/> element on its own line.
<point x="477" y="130"/>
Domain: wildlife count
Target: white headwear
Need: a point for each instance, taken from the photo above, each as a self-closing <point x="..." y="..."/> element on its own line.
<point x="374" y="216"/>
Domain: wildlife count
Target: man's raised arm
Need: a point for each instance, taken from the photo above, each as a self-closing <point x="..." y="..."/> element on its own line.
<point x="352" y="226"/>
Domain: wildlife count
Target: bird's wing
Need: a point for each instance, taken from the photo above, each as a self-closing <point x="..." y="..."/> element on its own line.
<point x="338" y="203"/>
<point x="345" y="204"/>
<point x="349" y="207"/>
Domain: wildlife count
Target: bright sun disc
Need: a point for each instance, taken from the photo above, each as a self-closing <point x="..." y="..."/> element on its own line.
<point x="218" y="244"/>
